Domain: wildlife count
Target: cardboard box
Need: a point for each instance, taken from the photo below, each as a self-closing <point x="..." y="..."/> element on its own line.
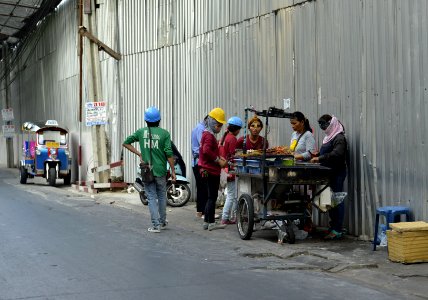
<point x="408" y="242"/>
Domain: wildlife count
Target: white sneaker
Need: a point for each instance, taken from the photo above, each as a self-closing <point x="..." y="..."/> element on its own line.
<point x="153" y="229"/>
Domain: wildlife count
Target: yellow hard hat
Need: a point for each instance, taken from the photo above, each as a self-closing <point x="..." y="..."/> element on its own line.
<point x="218" y="114"/>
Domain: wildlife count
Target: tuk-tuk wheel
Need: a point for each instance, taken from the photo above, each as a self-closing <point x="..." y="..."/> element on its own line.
<point x="23" y="175"/>
<point x="67" y="179"/>
<point x="245" y="216"/>
<point x="52" y="176"/>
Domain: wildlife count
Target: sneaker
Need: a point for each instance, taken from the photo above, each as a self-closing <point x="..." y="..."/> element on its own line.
<point x="164" y="224"/>
<point x="216" y="216"/>
<point x="205" y="226"/>
<point x="154" y="229"/>
<point x="214" y="226"/>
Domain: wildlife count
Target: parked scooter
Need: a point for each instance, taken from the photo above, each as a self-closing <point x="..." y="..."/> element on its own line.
<point x="178" y="193"/>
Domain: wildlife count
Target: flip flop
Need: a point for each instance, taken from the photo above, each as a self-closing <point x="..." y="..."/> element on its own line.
<point x="333" y="235"/>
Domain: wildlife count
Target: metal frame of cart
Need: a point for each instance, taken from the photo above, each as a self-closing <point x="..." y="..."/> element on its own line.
<point x="268" y="176"/>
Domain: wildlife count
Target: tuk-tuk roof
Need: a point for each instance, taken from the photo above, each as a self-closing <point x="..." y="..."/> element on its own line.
<point x="39" y="126"/>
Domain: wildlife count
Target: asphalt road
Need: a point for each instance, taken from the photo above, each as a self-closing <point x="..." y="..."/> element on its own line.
<point x="57" y="245"/>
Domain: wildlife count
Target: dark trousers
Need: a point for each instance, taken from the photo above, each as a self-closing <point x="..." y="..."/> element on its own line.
<point x="201" y="191"/>
<point x="212" y="183"/>
<point x="337" y="214"/>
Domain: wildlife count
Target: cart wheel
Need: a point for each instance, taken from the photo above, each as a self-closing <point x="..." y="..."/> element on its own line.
<point x="23" y="174"/>
<point x="291" y="237"/>
<point x="245" y="216"/>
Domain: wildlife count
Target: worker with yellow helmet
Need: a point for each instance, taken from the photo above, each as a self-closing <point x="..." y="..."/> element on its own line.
<point x="210" y="164"/>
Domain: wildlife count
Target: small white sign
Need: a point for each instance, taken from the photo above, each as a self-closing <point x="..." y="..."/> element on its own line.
<point x="7" y="114"/>
<point x="51" y="123"/>
<point x="96" y="113"/>
<point x="287" y="103"/>
<point x="8" y="130"/>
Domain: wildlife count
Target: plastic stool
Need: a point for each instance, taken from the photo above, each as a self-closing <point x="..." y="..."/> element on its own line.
<point x="390" y="213"/>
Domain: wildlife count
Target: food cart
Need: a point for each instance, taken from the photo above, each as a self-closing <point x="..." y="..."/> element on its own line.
<point x="269" y="178"/>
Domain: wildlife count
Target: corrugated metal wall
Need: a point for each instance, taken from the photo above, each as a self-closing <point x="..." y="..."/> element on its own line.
<point x="349" y="58"/>
<point x="364" y="61"/>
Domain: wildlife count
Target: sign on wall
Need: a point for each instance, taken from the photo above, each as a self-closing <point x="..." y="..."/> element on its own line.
<point x="8" y="130"/>
<point x="96" y="113"/>
<point x="7" y="114"/>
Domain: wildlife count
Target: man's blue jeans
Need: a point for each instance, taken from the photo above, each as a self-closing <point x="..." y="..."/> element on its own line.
<point x="156" y="195"/>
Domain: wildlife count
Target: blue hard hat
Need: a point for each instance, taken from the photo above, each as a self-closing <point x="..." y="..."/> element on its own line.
<point x="152" y="114"/>
<point x="235" y="121"/>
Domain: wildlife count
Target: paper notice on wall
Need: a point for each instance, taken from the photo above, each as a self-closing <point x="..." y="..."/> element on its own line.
<point x="96" y="113"/>
<point x="8" y="130"/>
<point x="7" y="114"/>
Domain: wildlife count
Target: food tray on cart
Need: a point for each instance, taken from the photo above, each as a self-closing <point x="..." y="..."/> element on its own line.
<point x="301" y="173"/>
<point x="253" y="164"/>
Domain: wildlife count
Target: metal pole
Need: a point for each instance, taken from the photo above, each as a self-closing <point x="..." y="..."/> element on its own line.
<point x="9" y="140"/>
<point x="99" y="144"/>
<point x="79" y="157"/>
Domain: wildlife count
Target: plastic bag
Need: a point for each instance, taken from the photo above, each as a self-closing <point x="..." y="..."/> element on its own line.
<point x="323" y="201"/>
<point x="382" y="240"/>
<point x="337" y="198"/>
<point x="223" y="178"/>
<point x="299" y="233"/>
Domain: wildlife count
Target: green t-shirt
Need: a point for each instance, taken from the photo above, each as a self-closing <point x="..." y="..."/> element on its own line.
<point x="161" y="147"/>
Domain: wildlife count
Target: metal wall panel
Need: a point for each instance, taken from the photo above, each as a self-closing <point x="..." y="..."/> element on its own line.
<point x="339" y="60"/>
<point x="241" y="10"/>
<point x="210" y="15"/>
<point x="268" y="6"/>
<point x="284" y="63"/>
<point x="149" y="25"/>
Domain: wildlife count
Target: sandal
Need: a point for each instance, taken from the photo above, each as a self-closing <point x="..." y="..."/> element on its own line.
<point x="333" y="235"/>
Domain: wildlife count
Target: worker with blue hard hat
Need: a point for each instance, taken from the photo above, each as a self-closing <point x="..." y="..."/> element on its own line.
<point x="155" y="151"/>
<point x="227" y="150"/>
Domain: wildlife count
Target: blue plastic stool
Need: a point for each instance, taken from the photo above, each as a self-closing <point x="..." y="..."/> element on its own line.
<point x="390" y="213"/>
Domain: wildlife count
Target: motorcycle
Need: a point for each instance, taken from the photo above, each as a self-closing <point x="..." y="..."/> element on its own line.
<point x="178" y="193"/>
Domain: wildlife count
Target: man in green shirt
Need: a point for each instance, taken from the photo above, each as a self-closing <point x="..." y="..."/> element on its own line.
<point x="155" y="151"/>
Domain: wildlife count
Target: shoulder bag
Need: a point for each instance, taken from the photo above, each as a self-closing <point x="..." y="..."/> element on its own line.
<point x="147" y="169"/>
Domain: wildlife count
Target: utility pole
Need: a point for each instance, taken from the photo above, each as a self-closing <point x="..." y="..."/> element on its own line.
<point x="99" y="144"/>
<point x="9" y="140"/>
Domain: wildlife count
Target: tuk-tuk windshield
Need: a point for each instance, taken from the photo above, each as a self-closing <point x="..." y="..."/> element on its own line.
<point x="52" y="136"/>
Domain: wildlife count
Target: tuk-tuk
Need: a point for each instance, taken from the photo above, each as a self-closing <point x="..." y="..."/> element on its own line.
<point x="45" y="152"/>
